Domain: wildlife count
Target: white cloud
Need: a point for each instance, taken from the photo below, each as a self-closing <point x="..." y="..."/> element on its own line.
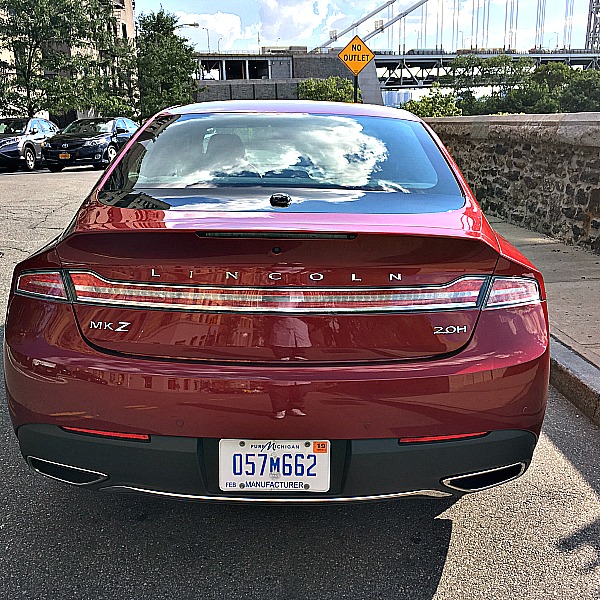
<point x="224" y="29"/>
<point x="291" y="21"/>
<point x="308" y="22"/>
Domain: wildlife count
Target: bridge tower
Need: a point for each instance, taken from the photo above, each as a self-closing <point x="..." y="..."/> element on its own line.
<point x="592" y="38"/>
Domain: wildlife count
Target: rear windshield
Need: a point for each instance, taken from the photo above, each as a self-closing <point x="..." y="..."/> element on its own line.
<point x="14" y="126"/>
<point x="198" y="153"/>
<point x="89" y="126"/>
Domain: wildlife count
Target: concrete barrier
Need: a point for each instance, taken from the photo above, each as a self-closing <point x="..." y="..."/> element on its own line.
<point x="539" y="171"/>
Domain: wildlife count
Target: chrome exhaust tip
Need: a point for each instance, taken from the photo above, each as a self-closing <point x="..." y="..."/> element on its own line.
<point x="483" y="480"/>
<point x="65" y="473"/>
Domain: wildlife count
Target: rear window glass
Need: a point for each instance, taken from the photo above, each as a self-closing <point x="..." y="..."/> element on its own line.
<point x="89" y="126"/>
<point x="14" y="126"/>
<point x="285" y="152"/>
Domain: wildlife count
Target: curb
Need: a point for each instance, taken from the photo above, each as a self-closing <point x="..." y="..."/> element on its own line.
<point x="576" y="379"/>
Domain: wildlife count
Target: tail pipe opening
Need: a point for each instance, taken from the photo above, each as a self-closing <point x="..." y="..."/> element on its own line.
<point x="483" y="480"/>
<point x="65" y="473"/>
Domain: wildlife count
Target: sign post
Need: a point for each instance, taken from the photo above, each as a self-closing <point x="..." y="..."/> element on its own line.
<point x="356" y="56"/>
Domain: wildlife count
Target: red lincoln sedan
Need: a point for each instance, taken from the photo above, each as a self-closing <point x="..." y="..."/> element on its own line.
<point x="279" y="302"/>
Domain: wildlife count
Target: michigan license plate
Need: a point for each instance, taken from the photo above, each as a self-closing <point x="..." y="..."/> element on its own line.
<point x="274" y="465"/>
<point x="64" y="155"/>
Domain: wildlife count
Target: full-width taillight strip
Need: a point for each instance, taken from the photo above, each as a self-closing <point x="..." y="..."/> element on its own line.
<point x="91" y="288"/>
<point x="461" y="293"/>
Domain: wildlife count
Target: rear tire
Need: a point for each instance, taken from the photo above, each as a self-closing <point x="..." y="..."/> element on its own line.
<point x="29" y="156"/>
<point x="55" y="168"/>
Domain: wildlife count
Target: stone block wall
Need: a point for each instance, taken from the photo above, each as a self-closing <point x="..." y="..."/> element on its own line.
<point x="319" y="66"/>
<point x="539" y="171"/>
<point x="241" y="89"/>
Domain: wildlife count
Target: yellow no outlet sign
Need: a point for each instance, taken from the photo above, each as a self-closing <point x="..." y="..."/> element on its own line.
<point x="356" y="55"/>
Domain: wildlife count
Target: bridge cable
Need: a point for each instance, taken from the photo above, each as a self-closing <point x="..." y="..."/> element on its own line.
<point x="568" y="24"/>
<point x="472" y="23"/>
<point x="487" y="23"/>
<point x="539" y="24"/>
<point x="505" y="24"/>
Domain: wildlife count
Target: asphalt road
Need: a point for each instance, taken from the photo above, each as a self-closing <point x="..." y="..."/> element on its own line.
<point x="537" y="537"/>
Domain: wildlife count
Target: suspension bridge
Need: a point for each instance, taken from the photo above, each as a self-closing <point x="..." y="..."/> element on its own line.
<point x="458" y="25"/>
<point x="425" y="37"/>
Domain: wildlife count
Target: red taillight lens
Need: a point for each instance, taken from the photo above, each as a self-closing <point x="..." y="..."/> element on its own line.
<point x="43" y="284"/>
<point x="461" y="293"/>
<point x="440" y="438"/>
<point x="513" y="291"/>
<point x="140" y="437"/>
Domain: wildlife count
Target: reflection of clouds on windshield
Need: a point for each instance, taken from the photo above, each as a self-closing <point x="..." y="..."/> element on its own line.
<point x="253" y="203"/>
<point x="332" y="150"/>
<point x="318" y="149"/>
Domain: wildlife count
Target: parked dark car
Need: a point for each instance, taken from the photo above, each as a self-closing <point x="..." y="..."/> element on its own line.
<point x="88" y="142"/>
<point x="21" y="141"/>
<point x="328" y="258"/>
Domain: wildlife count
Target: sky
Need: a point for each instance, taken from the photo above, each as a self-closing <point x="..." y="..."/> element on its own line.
<point x="235" y="25"/>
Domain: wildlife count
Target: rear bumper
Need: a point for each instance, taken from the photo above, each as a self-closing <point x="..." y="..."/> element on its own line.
<point x="187" y="468"/>
<point x="499" y="382"/>
<point x="83" y="155"/>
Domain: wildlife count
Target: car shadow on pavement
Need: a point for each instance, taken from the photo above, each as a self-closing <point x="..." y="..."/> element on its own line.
<point x="384" y="550"/>
<point x="583" y="453"/>
<point x="64" y="542"/>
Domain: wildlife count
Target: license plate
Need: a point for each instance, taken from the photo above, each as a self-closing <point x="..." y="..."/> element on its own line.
<point x="274" y="465"/>
<point x="64" y="155"/>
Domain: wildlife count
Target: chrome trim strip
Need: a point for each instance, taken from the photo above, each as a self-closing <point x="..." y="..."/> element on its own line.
<point x="271" y="500"/>
<point x="258" y="309"/>
<point x="447" y="481"/>
<point x="101" y="476"/>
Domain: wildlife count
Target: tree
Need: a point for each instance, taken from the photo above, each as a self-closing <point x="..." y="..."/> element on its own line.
<point x="582" y="93"/>
<point x="166" y="64"/>
<point x="57" y="49"/>
<point x="556" y="76"/>
<point x="465" y="71"/>
<point x="332" y="89"/>
<point x="435" y="104"/>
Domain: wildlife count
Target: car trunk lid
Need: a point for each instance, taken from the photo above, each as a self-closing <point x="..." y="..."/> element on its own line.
<point x="268" y="293"/>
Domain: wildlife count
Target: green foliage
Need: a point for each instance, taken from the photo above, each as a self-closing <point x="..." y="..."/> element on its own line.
<point x="61" y="54"/>
<point x="556" y="76"/>
<point x="581" y="93"/>
<point x="332" y="89"/>
<point x="435" y="104"/>
<point x="166" y="64"/>
<point x="518" y="86"/>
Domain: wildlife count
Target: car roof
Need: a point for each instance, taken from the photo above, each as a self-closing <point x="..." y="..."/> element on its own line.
<point x="292" y="106"/>
<point x="97" y="119"/>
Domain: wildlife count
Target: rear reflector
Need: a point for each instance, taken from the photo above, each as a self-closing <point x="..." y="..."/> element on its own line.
<point x="110" y="434"/>
<point x="513" y="291"/>
<point x="461" y="293"/>
<point x="43" y="284"/>
<point x="440" y="438"/>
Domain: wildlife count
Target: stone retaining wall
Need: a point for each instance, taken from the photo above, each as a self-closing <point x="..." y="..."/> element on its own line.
<point x="539" y="171"/>
<point x="246" y="89"/>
